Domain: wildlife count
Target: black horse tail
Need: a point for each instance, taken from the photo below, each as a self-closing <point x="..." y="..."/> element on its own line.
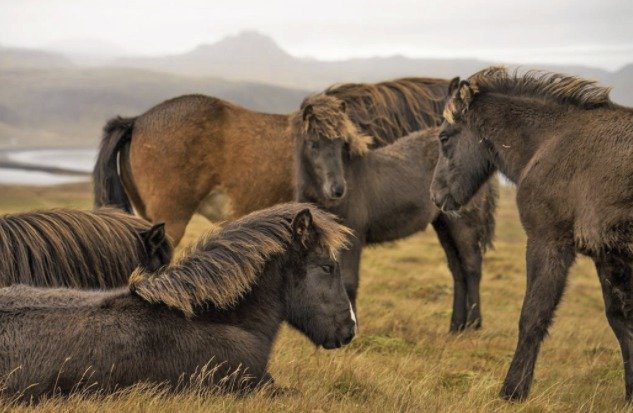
<point x="487" y="233"/>
<point x="108" y="188"/>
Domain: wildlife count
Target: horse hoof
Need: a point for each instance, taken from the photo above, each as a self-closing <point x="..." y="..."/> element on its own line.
<point x="474" y="325"/>
<point x="457" y="329"/>
<point x="512" y="393"/>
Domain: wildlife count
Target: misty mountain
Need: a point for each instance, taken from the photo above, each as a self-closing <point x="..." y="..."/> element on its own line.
<point x="14" y="58"/>
<point x="255" y="57"/>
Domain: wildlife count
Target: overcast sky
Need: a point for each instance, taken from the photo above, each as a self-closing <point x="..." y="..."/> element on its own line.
<point x="592" y="32"/>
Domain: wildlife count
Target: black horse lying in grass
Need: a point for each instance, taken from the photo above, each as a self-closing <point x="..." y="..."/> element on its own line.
<point x="79" y="249"/>
<point x="569" y="149"/>
<point x="220" y="306"/>
<point x="383" y="195"/>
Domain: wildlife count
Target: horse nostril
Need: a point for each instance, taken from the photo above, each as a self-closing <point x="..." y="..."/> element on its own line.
<point x="338" y="191"/>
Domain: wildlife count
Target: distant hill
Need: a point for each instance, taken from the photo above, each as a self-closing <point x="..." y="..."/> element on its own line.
<point x="12" y="58"/>
<point x="69" y="106"/>
<point x="256" y="57"/>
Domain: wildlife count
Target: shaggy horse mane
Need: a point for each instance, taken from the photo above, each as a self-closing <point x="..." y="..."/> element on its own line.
<point x="90" y="248"/>
<point x="559" y="88"/>
<point x="371" y="115"/>
<point x="225" y="263"/>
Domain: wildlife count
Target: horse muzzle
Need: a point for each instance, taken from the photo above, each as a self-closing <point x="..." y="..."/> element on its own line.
<point x="336" y="191"/>
<point x="444" y="201"/>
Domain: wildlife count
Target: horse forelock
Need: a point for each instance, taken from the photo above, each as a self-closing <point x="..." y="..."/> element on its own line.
<point x="323" y="116"/>
<point x="226" y="263"/>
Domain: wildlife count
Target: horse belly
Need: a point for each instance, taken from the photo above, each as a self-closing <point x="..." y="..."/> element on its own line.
<point x="216" y="206"/>
<point x="399" y="224"/>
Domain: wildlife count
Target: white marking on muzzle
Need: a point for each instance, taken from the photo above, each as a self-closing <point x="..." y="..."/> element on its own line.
<point x="353" y="316"/>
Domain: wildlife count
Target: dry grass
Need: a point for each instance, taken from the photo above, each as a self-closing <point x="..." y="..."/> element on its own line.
<point x="403" y="358"/>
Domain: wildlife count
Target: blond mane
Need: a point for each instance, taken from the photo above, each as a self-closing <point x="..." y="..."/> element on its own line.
<point x="371" y="115"/>
<point x="224" y="264"/>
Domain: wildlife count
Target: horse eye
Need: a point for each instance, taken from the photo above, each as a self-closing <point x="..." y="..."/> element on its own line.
<point x="444" y="137"/>
<point x="314" y="145"/>
<point x="327" y="268"/>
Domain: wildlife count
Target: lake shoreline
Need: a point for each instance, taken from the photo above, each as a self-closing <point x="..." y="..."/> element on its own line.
<point x="45" y="166"/>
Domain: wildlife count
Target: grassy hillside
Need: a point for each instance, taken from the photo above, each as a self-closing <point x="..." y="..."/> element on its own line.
<point x="403" y="358"/>
<point x="69" y="106"/>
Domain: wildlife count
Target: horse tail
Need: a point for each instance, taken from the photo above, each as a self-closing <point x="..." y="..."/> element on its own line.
<point x="487" y="233"/>
<point x="108" y="187"/>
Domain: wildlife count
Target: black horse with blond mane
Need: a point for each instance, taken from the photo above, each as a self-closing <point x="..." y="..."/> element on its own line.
<point x="569" y="149"/>
<point x="217" y="309"/>
<point x="383" y="195"/>
<point x="79" y="249"/>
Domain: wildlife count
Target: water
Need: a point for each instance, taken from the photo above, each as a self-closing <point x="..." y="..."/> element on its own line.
<point x="80" y="160"/>
<point x="21" y="177"/>
<point x="76" y="159"/>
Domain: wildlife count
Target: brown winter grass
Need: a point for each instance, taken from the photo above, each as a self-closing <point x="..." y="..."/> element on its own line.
<point x="403" y="358"/>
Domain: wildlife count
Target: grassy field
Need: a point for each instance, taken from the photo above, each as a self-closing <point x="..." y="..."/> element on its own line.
<point x="403" y="358"/>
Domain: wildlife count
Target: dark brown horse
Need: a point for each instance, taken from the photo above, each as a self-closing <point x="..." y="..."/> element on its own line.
<point x="79" y="249"/>
<point x="219" y="307"/>
<point x="569" y="149"/>
<point x="201" y="154"/>
<point x="383" y="195"/>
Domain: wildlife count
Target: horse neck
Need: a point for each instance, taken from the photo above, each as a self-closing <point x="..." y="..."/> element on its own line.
<point x="261" y="310"/>
<point x="304" y="181"/>
<point x="515" y="128"/>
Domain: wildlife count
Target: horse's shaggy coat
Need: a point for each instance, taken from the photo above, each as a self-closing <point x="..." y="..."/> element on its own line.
<point x="236" y="287"/>
<point x="200" y="154"/>
<point x="79" y="249"/>
<point x="569" y="149"/>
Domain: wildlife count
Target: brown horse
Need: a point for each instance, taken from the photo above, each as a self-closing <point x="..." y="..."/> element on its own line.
<point x="219" y="307"/>
<point x="79" y="249"/>
<point x="201" y="154"/>
<point x="569" y="149"/>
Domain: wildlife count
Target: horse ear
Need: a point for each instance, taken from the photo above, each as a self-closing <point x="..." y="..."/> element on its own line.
<point x="466" y="93"/>
<point x="307" y="111"/>
<point x="452" y="86"/>
<point x="301" y="226"/>
<point x="154" y="236"/>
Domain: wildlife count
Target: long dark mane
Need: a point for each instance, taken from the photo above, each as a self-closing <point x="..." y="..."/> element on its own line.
<point x="225" y="264"/>
<point x="70" y="248"/>
<point x="560" y="88"/>
<point x="372" y="115"/>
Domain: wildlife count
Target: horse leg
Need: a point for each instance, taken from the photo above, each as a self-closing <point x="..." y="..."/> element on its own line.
<point x="174" y="211"/>
<point x="469" y="252"/>
<point x="616" y="279"/>
<point x="460" y="289"/>
<point x="547" y="268"/>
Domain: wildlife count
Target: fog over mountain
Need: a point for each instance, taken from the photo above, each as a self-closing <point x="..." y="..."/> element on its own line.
<point x="256" y="57"/>
<point x="52" y="98"/>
